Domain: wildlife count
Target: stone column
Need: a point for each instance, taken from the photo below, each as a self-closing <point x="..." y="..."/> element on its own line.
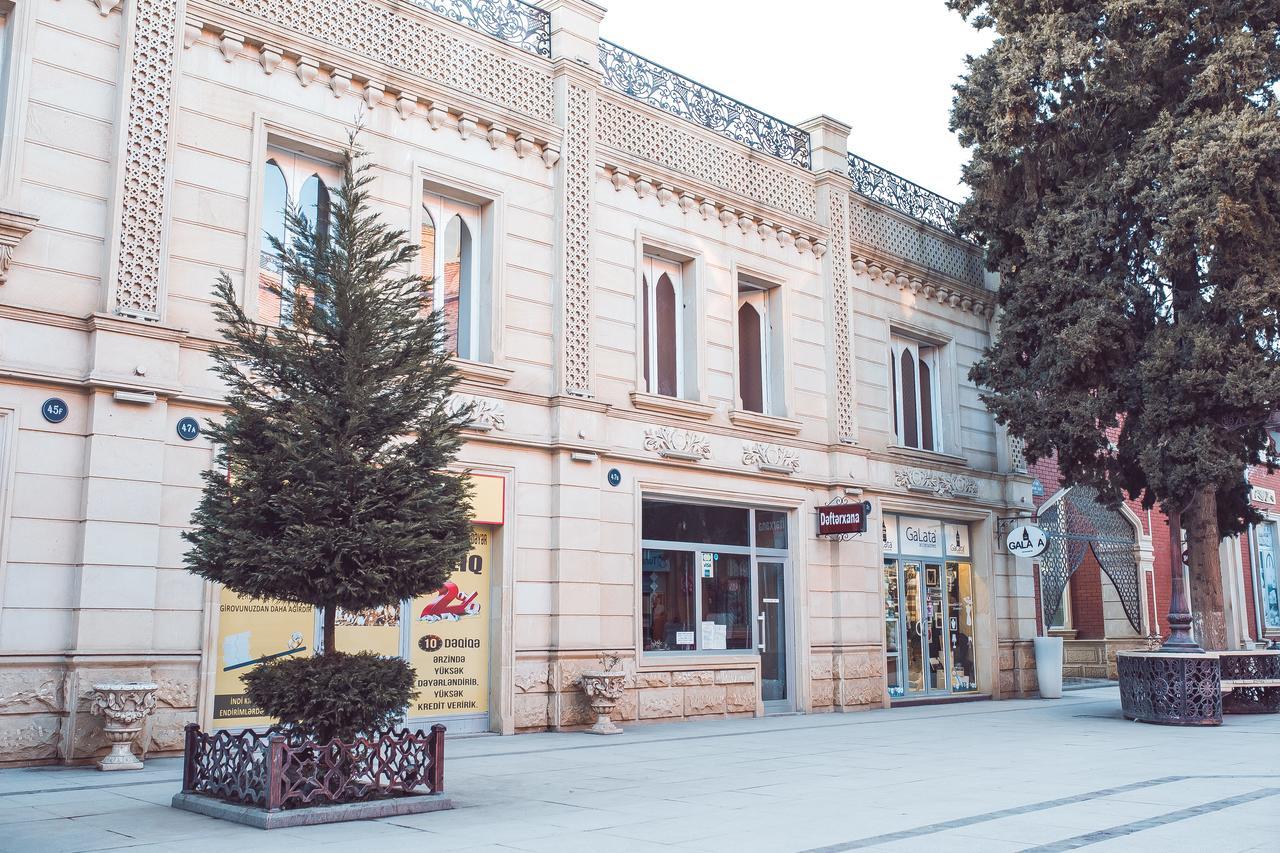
<point x="829" y="145"/>
<point x="575" y="31"/>
<point x="144" y="145"/>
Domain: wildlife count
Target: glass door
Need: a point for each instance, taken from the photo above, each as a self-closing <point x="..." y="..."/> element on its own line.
<point x="935" y="629"/>
<point x="771" y="631"/>
<point x="893" y="630"/>
<point x="918" y="640"/>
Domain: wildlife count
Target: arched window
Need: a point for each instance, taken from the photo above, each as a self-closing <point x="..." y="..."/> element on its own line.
<point x="449" y="262"/>
<point x="750" y="358"/>
<point x="663" y="327"/>
<point x="427" y="256"/>
<point x="910" y="414"/>
<point x="289" y="179"/>
<point x="275" y="196"/>
<point x="913" y="386"/>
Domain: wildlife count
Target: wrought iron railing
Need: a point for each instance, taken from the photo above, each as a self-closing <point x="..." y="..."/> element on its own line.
<point x="277" y="770"/>
<point x="525" y="26"/>
<point x="895" y="191"/>
<point x="659" y="86"/>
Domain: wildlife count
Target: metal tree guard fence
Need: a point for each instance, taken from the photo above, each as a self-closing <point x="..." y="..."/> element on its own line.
<point x="277" y="769"/>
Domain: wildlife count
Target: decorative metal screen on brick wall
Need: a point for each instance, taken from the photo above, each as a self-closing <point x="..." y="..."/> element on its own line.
<point x="1077" y="524"/>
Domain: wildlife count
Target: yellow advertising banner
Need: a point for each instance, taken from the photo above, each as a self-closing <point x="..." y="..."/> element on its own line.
<point x="250" y="632"/>
<point x="450" y="638"/>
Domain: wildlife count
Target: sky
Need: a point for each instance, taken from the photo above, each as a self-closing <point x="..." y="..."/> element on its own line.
<point x="886" y="67"/>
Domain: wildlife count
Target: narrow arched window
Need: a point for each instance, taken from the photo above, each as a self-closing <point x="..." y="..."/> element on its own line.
<point x="456" y="286"/>
<point x="926" y="404"/>
<point x="313" y="203"/>
<point x="427" y="257"/>
<point x="666" y="336"/>
<point x="275" y="198"/>
<point x="648" y="347"/>
<point x="910" y="429"/>
<point x="750" y="359"/>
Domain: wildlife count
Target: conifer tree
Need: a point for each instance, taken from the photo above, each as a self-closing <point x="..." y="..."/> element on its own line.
<point x="1126" y="183"/>
<point x="331" y="485"/>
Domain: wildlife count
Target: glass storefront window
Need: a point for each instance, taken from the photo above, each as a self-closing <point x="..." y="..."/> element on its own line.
<point x="771" y="529"/>
<point x="666" y="600"/>
<point x="711" y="525"/>
<point x="960" y="626"/>
<point x="726" y="602"/>
<point x="1268" y="545"/>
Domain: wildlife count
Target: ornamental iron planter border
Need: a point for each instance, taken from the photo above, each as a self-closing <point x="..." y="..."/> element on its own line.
<point x="1171" y="689"/>
<point x="278" y="769"/>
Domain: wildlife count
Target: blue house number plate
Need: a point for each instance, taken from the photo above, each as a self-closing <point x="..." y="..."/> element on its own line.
<point x="188" y="429"/>
<point x="54" y="410"/>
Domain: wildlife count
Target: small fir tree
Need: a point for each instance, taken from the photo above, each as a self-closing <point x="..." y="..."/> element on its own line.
<point x="1126" y="181"/>
<point x="331" y="487"/>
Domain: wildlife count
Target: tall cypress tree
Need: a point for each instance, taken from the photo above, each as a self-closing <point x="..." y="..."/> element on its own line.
<point x="331" y="487"/>
<point x="1126" y="182"/>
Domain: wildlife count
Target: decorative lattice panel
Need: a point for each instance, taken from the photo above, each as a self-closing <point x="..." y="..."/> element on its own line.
<point x="670" y="144"/>
<point x="845" y="420"/>
<point x="887" y="233"/>
<point x="149" y="111"/>
<point x="1077" y="524"/>
<point x="378" y="32"/>
<point x="579" y="168"/>
<point x="1017" y="455"/>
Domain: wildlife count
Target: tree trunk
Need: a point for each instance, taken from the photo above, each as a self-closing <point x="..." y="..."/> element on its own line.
<point x="331" y="626"/>
<point x="1207" y="607"/>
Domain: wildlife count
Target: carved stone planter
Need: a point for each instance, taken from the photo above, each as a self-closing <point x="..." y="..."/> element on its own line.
<point x="603" y="689"/>
<point x="123" y="706"/>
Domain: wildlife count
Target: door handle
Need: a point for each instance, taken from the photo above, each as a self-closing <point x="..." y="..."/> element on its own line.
<point x="763" y="645"/>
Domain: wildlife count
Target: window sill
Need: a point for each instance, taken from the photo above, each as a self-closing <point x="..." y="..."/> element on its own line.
<point x="672" y="406"/>
<point x="482" y="373"/>
<point x="1064" y="633"/>
<point x="674" y="659"/>
<point x="927" y="455"/>
<point x="765" y="423"/>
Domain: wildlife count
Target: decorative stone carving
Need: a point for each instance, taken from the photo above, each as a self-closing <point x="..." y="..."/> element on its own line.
<point x="307" y="70"/>
<point x="550" y="156"/>
<point x="497" y="135"/>
<point x="147" y="98"/>
<point x="525" y="145"/>
<point x="269" y="57"/>
<point x="603" y="690"/>
<point x="339" y="82"/>
<point x="846" y="419"/>
<point x="466" y="125"/>
<point x="707" y="209"/>
<point x="486" y="415"/>
<point x="965" y="298"/>
<point x="13" y="227"/>
<point x="405" y="105"/>
<point x="770" y="457"/>
<point x="106" y="7"/>
<point x="938" y="482"/>
<point x="192" y="29"/>
<point x="230" y="45"/>
<point x="373" y="93"/>
<point x="436" y="115"/>
<point x="672" y="443"/>
<point x="123" y="706"/>
<point x="688" y="202"/>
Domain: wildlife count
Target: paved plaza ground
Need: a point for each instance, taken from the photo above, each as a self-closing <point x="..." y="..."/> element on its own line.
<point x="991" y="776"/>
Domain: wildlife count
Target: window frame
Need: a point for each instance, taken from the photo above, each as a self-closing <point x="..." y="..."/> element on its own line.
<point x="15" y="65"/>
<point x="653" y="268"/>
<point x="1273" y="523"/>
<point x="930" y="354"/>
<point x="442" y="209"/>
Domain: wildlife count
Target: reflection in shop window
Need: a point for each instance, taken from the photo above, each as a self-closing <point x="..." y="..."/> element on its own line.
<point x="1268" y="544"/>
<point x="668" y="609"/>
<point x="726" y="601"/>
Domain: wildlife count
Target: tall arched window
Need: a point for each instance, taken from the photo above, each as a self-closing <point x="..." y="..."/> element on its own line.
<point x="760" y="381"/>
<point x="750" y="359"/>
<point x="289" y="179"/>
<point x="427" y="256"/>
<point x="449" y="262"/>
<point x="663" y="326"/>
<point x="910" y="410"/>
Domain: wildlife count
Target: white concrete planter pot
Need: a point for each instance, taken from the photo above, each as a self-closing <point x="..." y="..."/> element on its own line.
<point x="123" y="706"/>
<point x="603" y="690"/>
<point x="1049" y="666"/>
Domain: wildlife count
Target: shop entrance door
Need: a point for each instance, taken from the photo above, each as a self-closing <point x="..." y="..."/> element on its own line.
<point x="771" y="634"/>
<point x="915" y="611"/>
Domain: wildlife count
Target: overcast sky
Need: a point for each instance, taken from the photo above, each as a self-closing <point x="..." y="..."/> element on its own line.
<point x="884" y="66"/>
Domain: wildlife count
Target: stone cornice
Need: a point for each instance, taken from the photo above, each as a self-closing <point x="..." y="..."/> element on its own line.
<point x="880" y="267"/>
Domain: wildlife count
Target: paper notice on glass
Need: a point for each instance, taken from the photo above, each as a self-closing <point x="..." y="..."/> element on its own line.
<point x="713" y="636"/>
<point x="684" y="638"/>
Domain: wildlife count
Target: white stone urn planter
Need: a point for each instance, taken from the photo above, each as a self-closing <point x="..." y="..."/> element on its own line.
<point x="1049" y="666"/>
<point x="123" y="706"/>
<point x="603" y="689"/>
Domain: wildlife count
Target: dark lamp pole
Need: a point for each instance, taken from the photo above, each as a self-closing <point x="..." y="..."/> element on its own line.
<point x="1180" y="638"/>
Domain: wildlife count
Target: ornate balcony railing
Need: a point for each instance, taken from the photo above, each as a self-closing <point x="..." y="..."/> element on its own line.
<point x="527" y="27"/>
<point x="895" y="191"/>
<point x="673" y="93"/>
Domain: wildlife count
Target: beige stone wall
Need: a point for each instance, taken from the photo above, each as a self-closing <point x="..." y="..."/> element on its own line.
<point x="576" y="184"/>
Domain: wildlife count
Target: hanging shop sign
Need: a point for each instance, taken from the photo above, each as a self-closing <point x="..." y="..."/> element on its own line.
<point x="921" y="537"/>
<point x="840" y="519"/>
<point x="1026" y="540"/>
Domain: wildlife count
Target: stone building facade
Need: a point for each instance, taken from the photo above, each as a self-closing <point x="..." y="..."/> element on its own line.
<point x="686" y="325"/>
